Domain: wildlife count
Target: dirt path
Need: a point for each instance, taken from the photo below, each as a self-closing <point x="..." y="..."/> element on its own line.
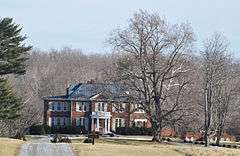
<point x="42" y="147"/>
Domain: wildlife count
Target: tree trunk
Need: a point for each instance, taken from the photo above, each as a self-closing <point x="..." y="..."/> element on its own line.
<point x="219" y="134"/>
<point x="157" y="135"/>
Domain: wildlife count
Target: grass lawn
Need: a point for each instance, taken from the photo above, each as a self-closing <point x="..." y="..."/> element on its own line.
<point x="9" y="147"/>
<point x="108" y="147"/>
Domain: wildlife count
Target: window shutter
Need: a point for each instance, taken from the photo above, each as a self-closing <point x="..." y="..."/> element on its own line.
<point x="55" y="120"/>
<point x="49" y="121"/>
<point x="77" y="106"/>
<point x="62" y="106"/>
<point x="113" y="124"/>
<point x="53" y="106"/>
<point x="113" y="107"/>
<point x="123" y="107"/>
<point x="96" y="107"/>
<point x="123" y="122"/>
<point x="77" y="121"/>
<point x="82" y="121"/>
<point x="105" y="107"/>
<point x="87" y="106"/>
<point x="50" y="106"/>
<point x="61" y="121"/>
<point x="86" y="123"/>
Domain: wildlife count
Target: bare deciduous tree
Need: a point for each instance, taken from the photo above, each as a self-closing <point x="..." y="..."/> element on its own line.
<point x="154" y="66"/>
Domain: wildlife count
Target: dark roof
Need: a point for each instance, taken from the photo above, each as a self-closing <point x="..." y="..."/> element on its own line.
<point x="88" y="91"/>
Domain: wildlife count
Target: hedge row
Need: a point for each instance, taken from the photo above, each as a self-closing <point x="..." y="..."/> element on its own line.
<point x="69" y="130"/>
<point x="134" y="131"/>
<point x="45" y="129"/>
<point x="39" y="129"/>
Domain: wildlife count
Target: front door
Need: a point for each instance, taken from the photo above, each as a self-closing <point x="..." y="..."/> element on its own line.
<point x="101" y="125"/>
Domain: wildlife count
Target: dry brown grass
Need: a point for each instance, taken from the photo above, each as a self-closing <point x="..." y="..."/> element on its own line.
<point x="9" y="147"/>
<point x="137" y="148"/>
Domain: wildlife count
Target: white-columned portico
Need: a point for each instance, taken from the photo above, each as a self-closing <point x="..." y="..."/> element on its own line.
<point x="101" y="121"/>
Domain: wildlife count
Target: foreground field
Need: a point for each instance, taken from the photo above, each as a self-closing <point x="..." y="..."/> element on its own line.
<point x="9" y="147"/>
<point x="109" y="147"/>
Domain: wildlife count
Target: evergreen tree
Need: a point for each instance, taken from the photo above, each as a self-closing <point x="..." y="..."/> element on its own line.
<point x="13" y="51"/>
<point x="13" y="54"/>
<point x="10" y="104"/>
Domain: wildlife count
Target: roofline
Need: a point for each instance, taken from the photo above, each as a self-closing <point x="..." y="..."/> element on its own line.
<point x="97" y="100"/>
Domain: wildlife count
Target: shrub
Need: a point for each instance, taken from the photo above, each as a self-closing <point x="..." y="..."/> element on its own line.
<point x="168" y="139"/>
<point x="88" y="140"/>
<point x="229" y="146"/>
<point x="37" y="130"/>
<point x="134" y="131"/>
<point x="47" y="129"/>
<point x="202" y="143"/>
<point x="69" y="130"/>
<point x="65" y="139"/>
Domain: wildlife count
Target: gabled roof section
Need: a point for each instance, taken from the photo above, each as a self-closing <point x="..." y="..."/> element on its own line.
<point x="95" y="91"/>
<point x="61" y="97"/>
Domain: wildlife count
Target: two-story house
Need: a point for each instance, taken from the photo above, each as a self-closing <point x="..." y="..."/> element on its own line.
<point x="95" y="106"/>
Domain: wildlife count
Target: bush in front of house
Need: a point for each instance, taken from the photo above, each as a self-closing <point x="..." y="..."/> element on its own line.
<point x="69" y="130"/>
<point x="37" y="130"/>
<point x="133" y="131"/>
<point x="47" y="129"/>
<point x="88" y="140"/>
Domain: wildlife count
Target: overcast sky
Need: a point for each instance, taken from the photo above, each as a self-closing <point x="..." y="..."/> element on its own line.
<point x="86" y="24"/>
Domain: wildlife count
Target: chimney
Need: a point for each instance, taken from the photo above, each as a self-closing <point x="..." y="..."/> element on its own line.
<point x="66" y="86"/>
<point x="90" y="81"/>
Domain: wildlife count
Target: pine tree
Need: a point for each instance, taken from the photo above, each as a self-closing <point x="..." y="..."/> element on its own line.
<point x="10" y="104"/>
<point x="13" y="54"/>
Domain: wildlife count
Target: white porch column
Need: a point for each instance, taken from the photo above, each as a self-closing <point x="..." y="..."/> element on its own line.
<point x="109" y="125"/>
<point x="97" y="124"/>
<point x="50" y="121"/>
<point x="105" y="127"/>
<point x="92" y="124"/>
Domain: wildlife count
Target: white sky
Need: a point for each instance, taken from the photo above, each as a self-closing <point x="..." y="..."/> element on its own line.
<point x="86" y="24"/>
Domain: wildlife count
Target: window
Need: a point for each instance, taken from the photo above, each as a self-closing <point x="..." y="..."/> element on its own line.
<point x="121" y="107"/>
<point x="58" y="106"/>
<point x="52" y="122"/>
<point x="144" y="124"/>
<point x="82" y="106"/>
<point x="52" y="106"/>
<point x="64" y="106"/>
<point x="58" y="121"/>
<point x="138" y="108"/>
<point x="80" y="121"/>
<point x="140" y="122"/>
<point x="119" y="122"/>
<point x="101" y="106"/>
<point x="66" y="121"/>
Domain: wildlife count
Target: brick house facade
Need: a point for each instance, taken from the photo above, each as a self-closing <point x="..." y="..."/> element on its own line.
<point x="94" y="106"/>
